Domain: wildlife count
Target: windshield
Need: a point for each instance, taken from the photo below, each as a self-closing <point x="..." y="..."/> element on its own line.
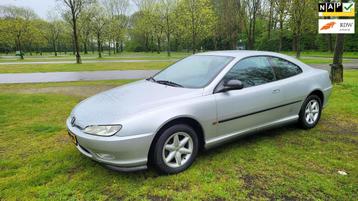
<point x="194" y="71"/>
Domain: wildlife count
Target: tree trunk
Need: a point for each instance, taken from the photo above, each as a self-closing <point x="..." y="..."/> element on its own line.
<point x="330" y="43"/>
<point x="99" y="46"/>
<point x="117" y="46"/>
<point x="298" y="45"/>
<point x="54" y="48"/>
<point x="146" y="42"/>
<point x="270" y="21"/>
<point x="233" y="40"/>
<point x="193" y="26"/>
<point x="294" y="39"/>
<point x="337" y="66"/>
<point x="92" y="46"/>
<point x="20" y="47"/>
<point x="73" y="46"/>
<point x="85" y="47"/>
<point x="121" y="46"/>
<point x="281" y="35"/>
<point x="193" y="43"/>
<point x="109" y="48"/>
<point x="249" y="36"/>
<point x="152" y="43"/>
<point x="168" y="35"/>
<point x="77" y="46"/>
<point x="253" y="32"/>
<point x="168" y="45"/>
<point x="158" y="45"/>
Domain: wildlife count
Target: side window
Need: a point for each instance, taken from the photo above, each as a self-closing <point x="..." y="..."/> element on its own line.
<point x="284" y="69"/>
<point x="251" y="71"/>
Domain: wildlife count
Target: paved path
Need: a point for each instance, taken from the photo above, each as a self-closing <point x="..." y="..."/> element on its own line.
<point x="87" y="61"/>
<point x="327" y="67"/>
<point x="74" y="76"/>
<point x="98" y="75"/>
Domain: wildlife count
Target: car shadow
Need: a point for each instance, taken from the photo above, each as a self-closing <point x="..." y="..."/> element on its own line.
<point x="250" y="138"/>
<point x="244" y="140"/>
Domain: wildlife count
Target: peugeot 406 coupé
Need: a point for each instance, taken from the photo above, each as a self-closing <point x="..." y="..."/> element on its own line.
<point x="198" y="102"/>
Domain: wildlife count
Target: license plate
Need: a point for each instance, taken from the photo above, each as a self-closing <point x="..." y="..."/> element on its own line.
<point x="73" y="138"/>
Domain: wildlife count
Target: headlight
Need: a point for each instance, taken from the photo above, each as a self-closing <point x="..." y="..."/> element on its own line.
<point x="107" y="130"/>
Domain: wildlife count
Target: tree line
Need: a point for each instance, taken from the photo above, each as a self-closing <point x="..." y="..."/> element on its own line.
<point x="80" y="26"/>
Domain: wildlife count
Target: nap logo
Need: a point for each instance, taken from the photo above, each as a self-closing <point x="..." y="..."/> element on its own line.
<point x="336" y="26"/>
<point x="336" y="9"/>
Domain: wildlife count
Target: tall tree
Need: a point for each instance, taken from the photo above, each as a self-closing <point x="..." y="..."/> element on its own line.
<point x="74" y="8"/>
<point x="99" y="22"/>
<point x="84" y="27"/>
<point x="282" y="12"/>
<point x="228" y="23"/>
<point x="270" y="18"/>
<point x="197" y="16"/>
<point x="301" y="14"/>
<point x="51" y="31"/>
<point x="252" y="9"/>
<point x="144" y="22"/>
<point x="167" y="9"/>
<point x="20" y="22"/>
<point x="337" y="66"/>
<point x="118" y="10"/>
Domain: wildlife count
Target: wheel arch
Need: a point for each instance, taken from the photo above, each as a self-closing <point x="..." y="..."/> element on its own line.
<point x="190" y="121"/>
<point x="319" y="93"/>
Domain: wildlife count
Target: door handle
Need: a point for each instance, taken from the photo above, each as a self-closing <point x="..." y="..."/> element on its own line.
<point x="276" y="91"/>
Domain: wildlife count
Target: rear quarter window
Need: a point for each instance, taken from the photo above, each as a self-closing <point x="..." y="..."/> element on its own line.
<point x="283" y="68"/>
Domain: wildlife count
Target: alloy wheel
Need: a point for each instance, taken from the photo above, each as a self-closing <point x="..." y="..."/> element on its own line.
<point x="312" y="111"/>
<point x="177" y="149"/>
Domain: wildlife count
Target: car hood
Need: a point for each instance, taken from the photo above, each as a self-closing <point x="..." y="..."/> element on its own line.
<point x="110" y="106"/>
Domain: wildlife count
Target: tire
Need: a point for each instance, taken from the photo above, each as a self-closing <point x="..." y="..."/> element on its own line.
<point x="177" y="151"/>
<point x="309" y="115"/>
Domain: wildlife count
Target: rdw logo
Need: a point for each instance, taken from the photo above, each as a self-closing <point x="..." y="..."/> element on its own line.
<point x="328" y="25"/>
<point x="336" y="26"/>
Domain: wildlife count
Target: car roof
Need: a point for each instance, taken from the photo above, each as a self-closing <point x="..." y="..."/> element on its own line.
<point x="241" y="53"/>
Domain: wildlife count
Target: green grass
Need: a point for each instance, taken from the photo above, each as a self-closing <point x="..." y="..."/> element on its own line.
<point x="346" y="55"/>
<point x="4" y="87"/>
<point x="122" y="56"/>
<point x="39" y="162"/>
<point x="30" y="68"/>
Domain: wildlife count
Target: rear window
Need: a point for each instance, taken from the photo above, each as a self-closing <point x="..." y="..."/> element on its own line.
<point x="283" y="68"/>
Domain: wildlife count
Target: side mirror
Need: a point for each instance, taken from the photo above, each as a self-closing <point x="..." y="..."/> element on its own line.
<point x="231" y="85"/>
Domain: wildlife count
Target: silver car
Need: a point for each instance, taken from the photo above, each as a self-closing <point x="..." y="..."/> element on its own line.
<point x="196" y="103"/>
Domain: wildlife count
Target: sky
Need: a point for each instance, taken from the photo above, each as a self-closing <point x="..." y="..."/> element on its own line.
<point x="41" y="7"/>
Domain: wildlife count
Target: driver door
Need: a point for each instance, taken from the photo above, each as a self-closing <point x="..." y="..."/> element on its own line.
<point x="252" y="106"/>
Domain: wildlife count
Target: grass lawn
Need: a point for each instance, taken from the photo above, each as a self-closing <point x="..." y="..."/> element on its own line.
<point x="122" y="56"/>
<point x="39" y="162"/>
<point x="347" y="55"/>
<point x="31" y="68"/>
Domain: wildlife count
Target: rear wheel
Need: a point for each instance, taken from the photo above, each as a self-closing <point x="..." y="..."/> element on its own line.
<point x="310" y="112"/>
<point x="175" y="149"/>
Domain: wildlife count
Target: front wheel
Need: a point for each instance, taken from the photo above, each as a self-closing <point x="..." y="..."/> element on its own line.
<point x="310" y="112"/>
<point x="175" y="149"/>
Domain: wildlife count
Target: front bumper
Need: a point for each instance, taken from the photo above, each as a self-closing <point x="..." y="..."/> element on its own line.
<point x="128" y="153"/>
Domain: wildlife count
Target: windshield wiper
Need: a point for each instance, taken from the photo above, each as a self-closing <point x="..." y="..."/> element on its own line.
<point x="151" y="79"/>
<point x="169" y="83"/>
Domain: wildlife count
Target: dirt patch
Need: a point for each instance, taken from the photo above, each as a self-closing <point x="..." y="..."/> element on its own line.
<point x="256" y="186"/>
<point x="158" y="198"/>
<point x="337" y="126"/>
<point x="83" y="91"/>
